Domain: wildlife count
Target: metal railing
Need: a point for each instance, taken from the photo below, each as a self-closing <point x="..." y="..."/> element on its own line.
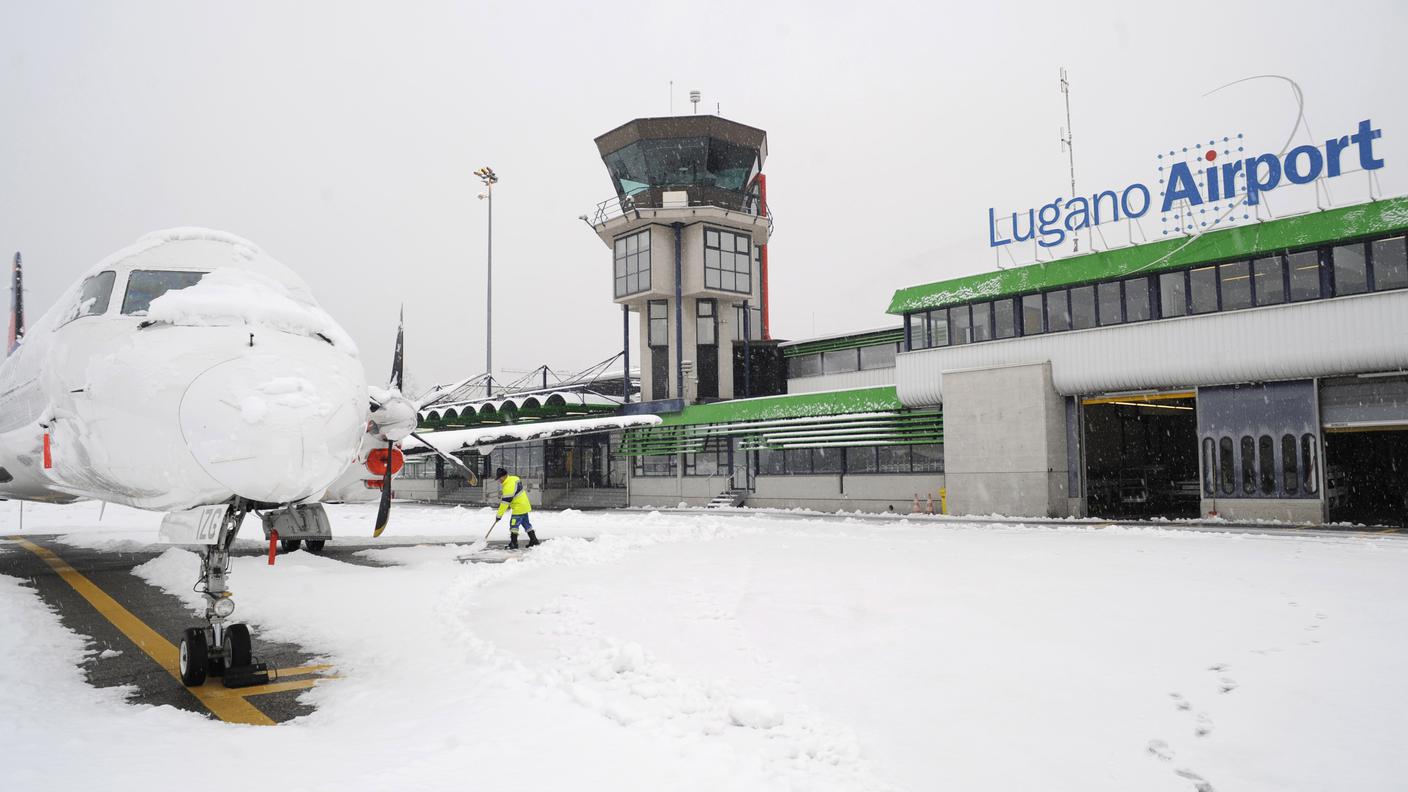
<point x="650" y="198"/>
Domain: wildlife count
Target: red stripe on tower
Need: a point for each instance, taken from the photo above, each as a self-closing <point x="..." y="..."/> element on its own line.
<point x="763" y="257"/>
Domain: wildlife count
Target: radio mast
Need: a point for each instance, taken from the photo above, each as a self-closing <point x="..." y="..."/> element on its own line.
<point x="1067" y="145"/>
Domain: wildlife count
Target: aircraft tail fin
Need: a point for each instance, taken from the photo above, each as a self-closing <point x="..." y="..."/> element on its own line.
<point x="16" y="307"/>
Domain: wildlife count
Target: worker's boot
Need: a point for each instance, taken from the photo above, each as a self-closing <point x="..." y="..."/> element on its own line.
<point x="513" y="541"/>
<point x="533" y="539"/>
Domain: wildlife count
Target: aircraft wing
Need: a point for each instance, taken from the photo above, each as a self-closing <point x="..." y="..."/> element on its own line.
<point x="484" y="438"/>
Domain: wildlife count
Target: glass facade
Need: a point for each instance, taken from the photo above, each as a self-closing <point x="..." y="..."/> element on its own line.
<point x="892" y="459"/>
<point x="682" y="162"/>
<point x="1337" y="271"/>
<point x="840" y="361"/>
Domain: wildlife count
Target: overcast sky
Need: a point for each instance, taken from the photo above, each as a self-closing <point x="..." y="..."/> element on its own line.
<point x="341" y="138"/>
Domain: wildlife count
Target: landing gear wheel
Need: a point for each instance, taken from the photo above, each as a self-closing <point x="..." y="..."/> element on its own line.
<point x="195" y="654"/>
<point x="289" y="545"/>
<point x="314" y="545"/>
<point x="237" y="640"/>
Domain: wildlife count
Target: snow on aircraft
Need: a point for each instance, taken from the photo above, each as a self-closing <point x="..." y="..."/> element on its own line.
<point x="193" y="374"/>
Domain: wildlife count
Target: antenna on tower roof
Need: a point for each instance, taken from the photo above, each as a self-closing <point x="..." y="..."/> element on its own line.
<point x="694" y="97"/>
<point x="1066" y="141"/>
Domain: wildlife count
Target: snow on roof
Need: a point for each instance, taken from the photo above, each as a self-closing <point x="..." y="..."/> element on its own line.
<point x="469" y="439"/>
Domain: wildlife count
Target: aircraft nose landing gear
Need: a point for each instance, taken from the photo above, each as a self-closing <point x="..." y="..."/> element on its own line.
<point x="220" y="649"/>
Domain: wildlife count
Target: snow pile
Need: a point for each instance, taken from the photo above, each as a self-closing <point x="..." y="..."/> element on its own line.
<point x="230" y="296"/>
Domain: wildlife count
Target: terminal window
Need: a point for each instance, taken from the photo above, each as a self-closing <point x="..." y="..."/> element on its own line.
<point x="1390" y="259"/>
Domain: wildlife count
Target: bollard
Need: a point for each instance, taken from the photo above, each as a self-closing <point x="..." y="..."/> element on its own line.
<point x="273" y="546"/>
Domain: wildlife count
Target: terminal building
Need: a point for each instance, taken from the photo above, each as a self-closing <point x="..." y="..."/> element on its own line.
<point x="1257" y="372"/>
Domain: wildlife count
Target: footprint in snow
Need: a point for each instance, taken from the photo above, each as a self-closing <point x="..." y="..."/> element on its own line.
<point x="1179" y="701"/>
<point x="1160" y="749"/>
<point x="1199" y="783"/>
<point x="1226" y="685"/>
<point x="1204" y="727"/>
<point x="1218" y="667"/>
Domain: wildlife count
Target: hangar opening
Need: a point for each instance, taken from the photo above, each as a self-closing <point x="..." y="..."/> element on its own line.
<point x="1141" y="457"/>
<point x="1366" y="449"/>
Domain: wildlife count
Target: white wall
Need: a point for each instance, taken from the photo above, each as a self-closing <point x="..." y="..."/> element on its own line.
<point x="1345" y="335"/>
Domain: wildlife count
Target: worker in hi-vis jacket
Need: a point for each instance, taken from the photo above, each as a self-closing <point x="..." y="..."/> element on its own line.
<point x="512" y="495"/>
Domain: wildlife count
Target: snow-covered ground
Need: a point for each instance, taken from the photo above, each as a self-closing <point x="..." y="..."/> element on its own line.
<point x="748" y="652"/>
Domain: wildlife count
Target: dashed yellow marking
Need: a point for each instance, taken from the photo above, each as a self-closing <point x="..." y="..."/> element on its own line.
<point x="228" y="705"/>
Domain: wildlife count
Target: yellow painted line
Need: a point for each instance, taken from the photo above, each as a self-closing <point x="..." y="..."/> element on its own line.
<point x="231" y="709"/>
<point x="1142" y="397"/>
<point x="259" y="690"/>
<point x="1390" y="530"/>
<point x="280" y="673"/>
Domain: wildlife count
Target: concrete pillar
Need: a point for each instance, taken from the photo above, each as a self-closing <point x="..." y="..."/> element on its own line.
<point x="1005" y="442"/>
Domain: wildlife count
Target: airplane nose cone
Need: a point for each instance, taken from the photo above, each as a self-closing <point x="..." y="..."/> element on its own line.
<point x="272" y="429"/>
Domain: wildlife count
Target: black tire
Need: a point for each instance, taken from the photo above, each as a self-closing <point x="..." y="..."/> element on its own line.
<point x="289" y="545"/>
<point x="239" y="646"/>
<point x="314" y="545"/>
<point x="194" y="656"/>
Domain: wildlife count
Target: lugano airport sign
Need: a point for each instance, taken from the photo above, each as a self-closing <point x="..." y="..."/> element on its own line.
<point x="1218" y="181"/>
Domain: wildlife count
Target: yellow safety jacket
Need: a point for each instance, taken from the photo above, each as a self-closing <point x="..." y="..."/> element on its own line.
<point x="514" y="496"/>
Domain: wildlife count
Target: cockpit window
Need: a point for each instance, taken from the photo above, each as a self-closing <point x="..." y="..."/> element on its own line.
<point x="143" y="286"/>
<point x="93" y="296"/>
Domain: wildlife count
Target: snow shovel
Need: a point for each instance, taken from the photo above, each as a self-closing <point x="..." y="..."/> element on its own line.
<point x="483" y="543"/>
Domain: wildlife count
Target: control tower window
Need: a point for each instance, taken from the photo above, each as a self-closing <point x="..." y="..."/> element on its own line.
<point x="633" y="263"/>
<point x="728" y="261"/>
<point x="682" y="162"/>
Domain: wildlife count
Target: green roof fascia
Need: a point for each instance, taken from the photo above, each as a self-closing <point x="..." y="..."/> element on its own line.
<point x="1361" y="220"/>
<point x="877" y="338"/>
<point x="799" y="405"/>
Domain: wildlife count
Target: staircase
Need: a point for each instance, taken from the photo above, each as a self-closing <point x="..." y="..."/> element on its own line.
<point x="728" y="499"/>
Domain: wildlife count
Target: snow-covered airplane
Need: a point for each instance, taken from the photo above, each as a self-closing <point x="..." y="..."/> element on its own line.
<point x="193" y="374"/>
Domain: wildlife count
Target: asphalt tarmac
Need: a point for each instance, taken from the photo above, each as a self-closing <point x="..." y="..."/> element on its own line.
<point x="134" y="628"/>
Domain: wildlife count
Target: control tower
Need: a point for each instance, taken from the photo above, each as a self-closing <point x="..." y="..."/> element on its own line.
<point x="688" y="230"/>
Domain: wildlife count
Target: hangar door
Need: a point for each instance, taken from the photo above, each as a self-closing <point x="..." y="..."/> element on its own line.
<point x="1366" y="448"/>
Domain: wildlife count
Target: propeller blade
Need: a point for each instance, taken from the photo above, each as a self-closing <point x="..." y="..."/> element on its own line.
<point x="383" y="510"/>
<point x="448" y="457"/>
<point x="398" y="361"/>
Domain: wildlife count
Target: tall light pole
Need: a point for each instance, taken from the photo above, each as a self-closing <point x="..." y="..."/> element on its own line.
<point x="486" y="175"/>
